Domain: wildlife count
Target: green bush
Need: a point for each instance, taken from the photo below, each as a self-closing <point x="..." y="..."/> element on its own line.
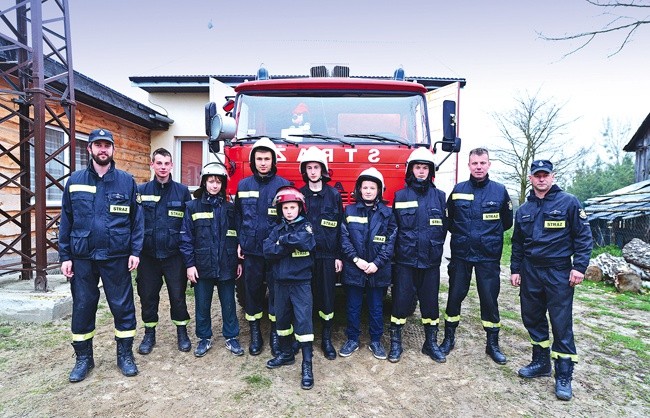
<point x="610" y="249"/>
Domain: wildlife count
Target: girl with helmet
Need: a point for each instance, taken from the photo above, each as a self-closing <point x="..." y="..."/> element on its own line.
<point x="209" y="248"/>
<point x="419" y="210"/>
<point x="368" y="235"/>
<point x="289" y="248"/>
<point x="325" y="214"/>
<point x="256" y="215"/>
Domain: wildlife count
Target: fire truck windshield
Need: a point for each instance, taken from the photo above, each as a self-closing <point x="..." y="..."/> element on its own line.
<point x="359" y="118"/>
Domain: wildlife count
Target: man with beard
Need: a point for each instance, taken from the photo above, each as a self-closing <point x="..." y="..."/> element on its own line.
<point x="101" y="235"/>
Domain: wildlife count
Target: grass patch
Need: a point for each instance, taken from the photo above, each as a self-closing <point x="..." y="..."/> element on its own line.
<point x="609" y="249"/>
<point x="514" y="315"/>
<point x="629" y="343"/>
<point x="258" y="381"/>
<point x="633" y="301"/>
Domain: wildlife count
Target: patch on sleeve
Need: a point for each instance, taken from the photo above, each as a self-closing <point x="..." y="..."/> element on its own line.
<point x="308" y="229"/>
<point x="583" y="214"/>
<point x="509" y="204"/>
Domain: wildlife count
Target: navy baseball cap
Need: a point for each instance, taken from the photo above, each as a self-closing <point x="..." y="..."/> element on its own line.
<point x="100" y="134"/>
<point x="541" y="165"/>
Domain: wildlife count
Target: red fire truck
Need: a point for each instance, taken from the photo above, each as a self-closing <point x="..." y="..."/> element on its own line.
<point x="358" y="122"/>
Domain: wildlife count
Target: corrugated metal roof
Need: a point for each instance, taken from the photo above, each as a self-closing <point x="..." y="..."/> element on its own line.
<point x="628" y="202"/>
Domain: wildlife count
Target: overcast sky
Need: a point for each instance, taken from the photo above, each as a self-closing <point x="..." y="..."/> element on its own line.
<point x="494" y="45"/>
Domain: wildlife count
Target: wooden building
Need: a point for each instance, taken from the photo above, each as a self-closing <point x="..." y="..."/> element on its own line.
<point x="131" y="123"/>
<point x="640" y="145"/>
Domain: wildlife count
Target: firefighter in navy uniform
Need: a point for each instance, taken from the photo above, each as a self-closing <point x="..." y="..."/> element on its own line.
<point x="368" y="234"/>
<point x="479" y="211"/>
<point x="419" y="210"/>
<point x="100" y="235"/>
<point x="163" y="203"/>
<point x="325" y="211"/>
<point x="209" y="248"/>
<point x="256" y="216"/>
<point x="289" y="248"/>
<point x="551" y="246"/>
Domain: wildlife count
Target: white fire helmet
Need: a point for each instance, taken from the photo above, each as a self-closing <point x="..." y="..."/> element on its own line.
<point x="212" y="169"/>
<point x="314" y="154"/>
<point x="264" y="144"/>
<point x="371" y="174"/>
<point x="421" y="155"/>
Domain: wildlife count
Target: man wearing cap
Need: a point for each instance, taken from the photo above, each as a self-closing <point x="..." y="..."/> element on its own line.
<point x="551" y="246"/>
<point x="101" y="235"/>
<point x="479" y="211"/>
<point x="256" y="216"/>
<point x="163" y="202"/>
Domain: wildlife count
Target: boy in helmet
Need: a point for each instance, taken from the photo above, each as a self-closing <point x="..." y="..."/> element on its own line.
<point x="419" y="210"/>
<point x="289" y="248"/>
<point x="368" y="235"/>
<point x="325" y="214"/>
<point x="209" y="247"/>
<point x="256" y="215"/>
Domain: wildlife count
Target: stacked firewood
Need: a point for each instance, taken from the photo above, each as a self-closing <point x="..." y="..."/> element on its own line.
<point x="629" y="273"/>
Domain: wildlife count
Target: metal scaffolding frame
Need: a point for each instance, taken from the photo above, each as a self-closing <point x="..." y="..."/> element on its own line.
<point x="35" y="55"/>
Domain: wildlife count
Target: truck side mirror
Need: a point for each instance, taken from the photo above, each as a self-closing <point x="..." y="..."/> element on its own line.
<point x="210" y="112"/>
<point x="449" y="122"/>
<point x="451" y="146"/>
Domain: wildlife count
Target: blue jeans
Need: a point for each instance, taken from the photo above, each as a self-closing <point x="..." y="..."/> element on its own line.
<point x="375" y="300"/>
<point x="203" y="291"/>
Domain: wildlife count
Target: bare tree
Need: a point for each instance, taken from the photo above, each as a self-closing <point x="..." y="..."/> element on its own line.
<point x="533" y="129"/>
<point x="615" y="135"/>
<point x="619" y="22"/>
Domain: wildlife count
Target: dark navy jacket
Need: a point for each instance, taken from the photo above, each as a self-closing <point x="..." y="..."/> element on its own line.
<point x="479" y="213"/>
<point x="163" y="205"/>
<point x="368" y="233"/>
<point x="550" y="231"/>
<point x="256" y="214"/>
<point x="209" y="237"/>
<point x="421" y="227"/>
<point x="324" y="212"/>
<point x="290" y="248"/>
<point x="100" y="216"/>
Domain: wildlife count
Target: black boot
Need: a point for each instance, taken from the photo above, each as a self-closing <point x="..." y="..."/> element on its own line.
<point x="395" y="352"/>
<point x="563" y="376"/>
<point x="274" y="340"/>
<point x="326" y="341"/>
<point x="541" y="364"/>
<point x="125" y="360"/>
<point x="149" y="340"/>
<point x="492" y="347"/>
<point x="256" y="344"/>
<point x="430" y="347"/>
<point x="307" y="377"/>
<point x="449" y="341"/>
<point x="85" y="362"/>
<point x="184" y="343"/>
<point x="285" y="357"/>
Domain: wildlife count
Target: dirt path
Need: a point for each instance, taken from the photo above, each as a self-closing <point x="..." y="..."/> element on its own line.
<point x="610" y="380"/>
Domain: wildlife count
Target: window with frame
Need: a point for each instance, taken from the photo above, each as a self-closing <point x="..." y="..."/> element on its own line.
<point x="192" y="153"/>
<point x="57" y="167"/>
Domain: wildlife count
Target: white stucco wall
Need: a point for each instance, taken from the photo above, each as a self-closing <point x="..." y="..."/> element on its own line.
<point x="187" y="111"/>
